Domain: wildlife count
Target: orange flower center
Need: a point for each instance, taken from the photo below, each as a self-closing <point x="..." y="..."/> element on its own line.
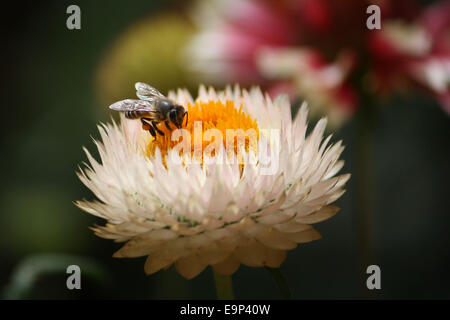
<point x="210" y="125"/>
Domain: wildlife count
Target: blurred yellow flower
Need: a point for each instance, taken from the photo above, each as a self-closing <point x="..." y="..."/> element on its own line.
<point x="149" y="50"/>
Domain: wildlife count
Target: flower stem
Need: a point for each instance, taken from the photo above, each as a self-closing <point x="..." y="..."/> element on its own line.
<point x="365" y="187"/>
<point x="281" y="282"/>
<point x="224" y="286"/>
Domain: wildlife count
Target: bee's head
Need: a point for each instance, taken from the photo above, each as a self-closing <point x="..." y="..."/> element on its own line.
<point x="176" y="116"/>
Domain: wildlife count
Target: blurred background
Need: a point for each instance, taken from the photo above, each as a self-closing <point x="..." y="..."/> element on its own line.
<point x="386" y="93"/>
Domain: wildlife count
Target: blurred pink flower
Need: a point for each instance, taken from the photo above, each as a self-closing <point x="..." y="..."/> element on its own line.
<point x="416" y="51"/>
<point x="233" y="31"/>
<point x="305" y="73"/>
<point x="312" y="48"/>
<point x="434" y="69"/>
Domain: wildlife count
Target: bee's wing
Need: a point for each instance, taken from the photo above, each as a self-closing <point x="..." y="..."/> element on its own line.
<point x="147" y="92"/>
<point x="133" y="105"/>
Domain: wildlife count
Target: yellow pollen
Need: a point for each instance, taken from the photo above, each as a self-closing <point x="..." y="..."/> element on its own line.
<point x="206" y="121"/>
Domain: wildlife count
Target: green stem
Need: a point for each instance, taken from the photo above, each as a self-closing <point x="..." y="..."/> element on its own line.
<point x="365" y="187"/>
<point x="224" y="286"/>
<point x="364" y="146"/>
<point x="281" y="282"/>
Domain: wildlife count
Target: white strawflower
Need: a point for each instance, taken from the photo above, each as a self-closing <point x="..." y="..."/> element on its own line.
<point x="195" y="214"/>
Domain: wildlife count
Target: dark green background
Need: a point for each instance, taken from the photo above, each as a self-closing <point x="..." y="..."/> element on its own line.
<point x="50" y="111"/>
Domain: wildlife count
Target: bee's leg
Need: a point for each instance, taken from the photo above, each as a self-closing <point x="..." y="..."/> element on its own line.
<point x="156" y="128"/>
<point x="148" y="126"/>
<point x="145" y="124"/>
<point x="152" y="131"/>
<point x="167" y="125"/>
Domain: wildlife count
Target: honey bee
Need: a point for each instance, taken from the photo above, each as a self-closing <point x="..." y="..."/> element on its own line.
<point x="151" y="108"/>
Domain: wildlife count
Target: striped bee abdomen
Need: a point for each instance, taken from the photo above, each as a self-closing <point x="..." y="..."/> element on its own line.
<point x="135" y="114"/>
